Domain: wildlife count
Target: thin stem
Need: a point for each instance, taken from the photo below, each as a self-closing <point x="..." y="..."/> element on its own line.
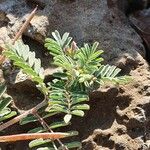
<point x="67" y="95"/>
<point x="18" y="118"/>
<point x="25" y="25"/>
<point x="55" y="147"/>
<point x="43" y="123"/>
<point x="19" y="33"/>
<point x="47" y="128"/>
<point x="2" y="58"/>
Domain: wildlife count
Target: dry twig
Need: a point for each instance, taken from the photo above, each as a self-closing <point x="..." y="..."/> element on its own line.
<point x="32" y="136"/>
<point x="25" y="25"/>
<point x="19" y="33"/>
<point x="18" y="118"/>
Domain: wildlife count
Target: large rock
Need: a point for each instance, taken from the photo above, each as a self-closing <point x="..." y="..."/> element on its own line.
<point x="119" y="116"/>
<point x="86" y="21"/>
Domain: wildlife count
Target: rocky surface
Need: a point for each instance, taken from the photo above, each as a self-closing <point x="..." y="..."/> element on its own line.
<point x="141" y="23"/>
<point x="119" y="117"/>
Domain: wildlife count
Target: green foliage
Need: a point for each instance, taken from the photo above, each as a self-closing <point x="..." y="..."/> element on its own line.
<point x="46" y="144"/>
<point x="5" y="111"/>
<point x="80" y="72"/>
<point x="57" y="44"/>
<point x="67" y="100"/>
<point x="82" y="66"/>
<point x="25" y="59"/>
<point x="110" y="73"/>
<point x="39" y="142"/>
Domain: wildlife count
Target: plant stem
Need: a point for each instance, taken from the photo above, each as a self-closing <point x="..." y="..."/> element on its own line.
<point x="19" y="33"/>
<point x="43" y="123"/>
<point x="46" y="127"/>
<point x="18" y="118"/>
<point x="32" y="136"/>
<point x="25" y="25"/>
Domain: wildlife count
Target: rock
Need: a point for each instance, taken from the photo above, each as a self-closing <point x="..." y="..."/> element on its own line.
<point x="148" y="143"/>
<point x="27" y="95"/>
<point x="3" y="19"/>
<point x="4" y="36"/>
<point x="141" y="23"/>
<point x="136" y="5"/>
<point x="83" y="22"/>
<point x="120" y="145"/>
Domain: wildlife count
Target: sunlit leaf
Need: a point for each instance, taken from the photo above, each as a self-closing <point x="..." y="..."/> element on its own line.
<point x="11" y="114"/>
<point x="38" y="142"/>
<point x="67" y="118"/>
<point x="73" y="145"/>
<point x="46" y="148"/>
<point x="4" y="112"/>
<point x="25" y="59"/>
<point x="51" y="126"/>
<point x="81" y="107"/>
<point x="78" y="113"/>
<point x="2" y="89"/>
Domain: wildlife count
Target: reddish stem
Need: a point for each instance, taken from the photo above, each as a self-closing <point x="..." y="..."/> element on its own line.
<point x="25" y="25"/>
<point x="32" y="136"/>
<point x="18" y="118"/>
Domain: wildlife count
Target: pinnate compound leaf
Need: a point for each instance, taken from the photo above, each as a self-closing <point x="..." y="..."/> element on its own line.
<point x="57" y="45"/>
<point x="27" y="61"/>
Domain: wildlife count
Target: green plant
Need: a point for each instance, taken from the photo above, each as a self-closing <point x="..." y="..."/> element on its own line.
<point x="5" y="101"/>
<point x="80" y="72"/>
